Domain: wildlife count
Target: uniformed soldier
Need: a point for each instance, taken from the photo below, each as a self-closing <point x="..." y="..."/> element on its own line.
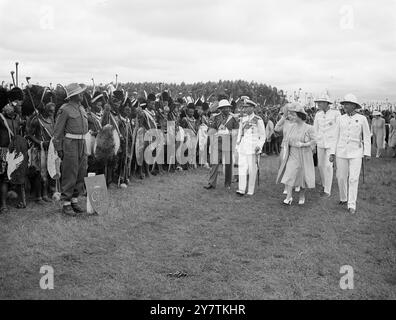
<point x="221" y="126"/>
<point x="250" y="142"/>
<point x="325" y="125"/>
<point x="69" y="141"/>
<point x="352" y="143"/>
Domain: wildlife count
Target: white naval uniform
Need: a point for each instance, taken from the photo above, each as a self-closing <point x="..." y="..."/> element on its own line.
<point x="353" y="141"/>
<point x="251" y="134"/>
<point x="325" y="133"/>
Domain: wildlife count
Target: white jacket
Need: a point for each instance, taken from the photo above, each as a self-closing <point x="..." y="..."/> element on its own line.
<point x="251" y="134"/>
<point x="353" y="138"/>
<point x="325" y="127"/>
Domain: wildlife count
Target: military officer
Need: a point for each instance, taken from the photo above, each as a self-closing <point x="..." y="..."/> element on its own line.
<point x="69" y="141"/>
<point x="325" y="125"/>
<point x="221" y="126"/>
<point x="250" y="142"/>
<point x="352" y="143"/>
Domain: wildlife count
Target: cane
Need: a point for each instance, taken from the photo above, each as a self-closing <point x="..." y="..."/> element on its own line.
<point x="363" y="168"/>
<point x="258" y="168"/>
<point x="16" y="73"/>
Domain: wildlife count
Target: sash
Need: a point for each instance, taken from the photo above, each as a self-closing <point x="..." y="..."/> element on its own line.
<point x="97" y="118"/>
<point x="115" y="124"/>
<point x="191" y="126"/>
<point x="228" y="120"/>
<point x="149" y="117"/>
<point x="42" y="125"/>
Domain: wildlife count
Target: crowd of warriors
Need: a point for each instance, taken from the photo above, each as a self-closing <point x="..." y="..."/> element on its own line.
<point x="115" y="122"/>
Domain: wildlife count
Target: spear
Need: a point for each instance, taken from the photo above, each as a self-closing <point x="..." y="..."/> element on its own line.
<point x="16" y="71"/>
<point x="12" y="76"/>
<point x="116" y="84"/>
<point x="93" y="84"/>
<point x="27" y="80"/>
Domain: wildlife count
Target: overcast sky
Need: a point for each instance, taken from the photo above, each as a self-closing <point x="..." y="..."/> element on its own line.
<point x="341" y="46"/>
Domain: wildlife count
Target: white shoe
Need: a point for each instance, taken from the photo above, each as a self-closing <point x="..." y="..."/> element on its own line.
<point x="288" y="201"/>
<point x="285" y="192"/>
<point x="301" y="201"/>
<point x="298" y="189"/>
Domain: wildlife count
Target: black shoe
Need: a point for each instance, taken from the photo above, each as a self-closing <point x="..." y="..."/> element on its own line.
<point x="68" y="210"/>
<point x="209" y="186"/>
<point x="325" y="195"/>
<point x="76" y="208"/>
<point x="240" y="194"/>
<point x="343" y="203"/>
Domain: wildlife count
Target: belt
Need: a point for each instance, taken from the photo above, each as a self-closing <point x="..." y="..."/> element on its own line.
<point x="75" y="136"/>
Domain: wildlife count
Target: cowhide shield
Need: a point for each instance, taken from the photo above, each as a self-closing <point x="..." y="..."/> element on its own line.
<point x="139" y="144"/>
<point x="97" y="193"/>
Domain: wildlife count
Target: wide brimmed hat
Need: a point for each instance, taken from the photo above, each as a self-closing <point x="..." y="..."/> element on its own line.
<point x="223" y="103"/>
<point x="377" y="113"/>
<point x="74" y="89"/>
<point x="324" y="98"/>
<point x="248" y="103"/>
<point x="296" y="107"/>
<point x="350" y="98"/>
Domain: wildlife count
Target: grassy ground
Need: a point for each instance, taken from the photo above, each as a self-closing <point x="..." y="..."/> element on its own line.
<point x="228" y="247"/>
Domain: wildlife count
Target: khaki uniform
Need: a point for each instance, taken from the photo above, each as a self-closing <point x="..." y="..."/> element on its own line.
<point x="222" y="154"/>
<point x="72" y="119"/>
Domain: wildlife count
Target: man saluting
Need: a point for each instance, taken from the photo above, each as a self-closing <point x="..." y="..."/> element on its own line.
<point x="70" y="129"/>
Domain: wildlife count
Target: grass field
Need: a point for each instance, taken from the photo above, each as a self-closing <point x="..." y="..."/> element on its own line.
<point x="225" y="247"/>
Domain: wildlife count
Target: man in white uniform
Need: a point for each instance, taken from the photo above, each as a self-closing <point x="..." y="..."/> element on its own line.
<point x="352" y="143"/>
<point x="325" y="131"/>
<point x="250" y="141"/>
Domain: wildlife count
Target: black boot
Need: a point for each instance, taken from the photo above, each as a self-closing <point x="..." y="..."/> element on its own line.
<point x="68" y="210"/>
<point x="77" y="208"/>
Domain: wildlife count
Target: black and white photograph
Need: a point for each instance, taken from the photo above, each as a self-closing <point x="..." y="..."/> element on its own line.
<point x="211" y="151"/>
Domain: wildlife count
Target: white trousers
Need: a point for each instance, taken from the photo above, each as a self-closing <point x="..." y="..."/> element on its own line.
<point x="348" y="172"/>
<point x="247" y="166"/>
<point x="325" y="169"/>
